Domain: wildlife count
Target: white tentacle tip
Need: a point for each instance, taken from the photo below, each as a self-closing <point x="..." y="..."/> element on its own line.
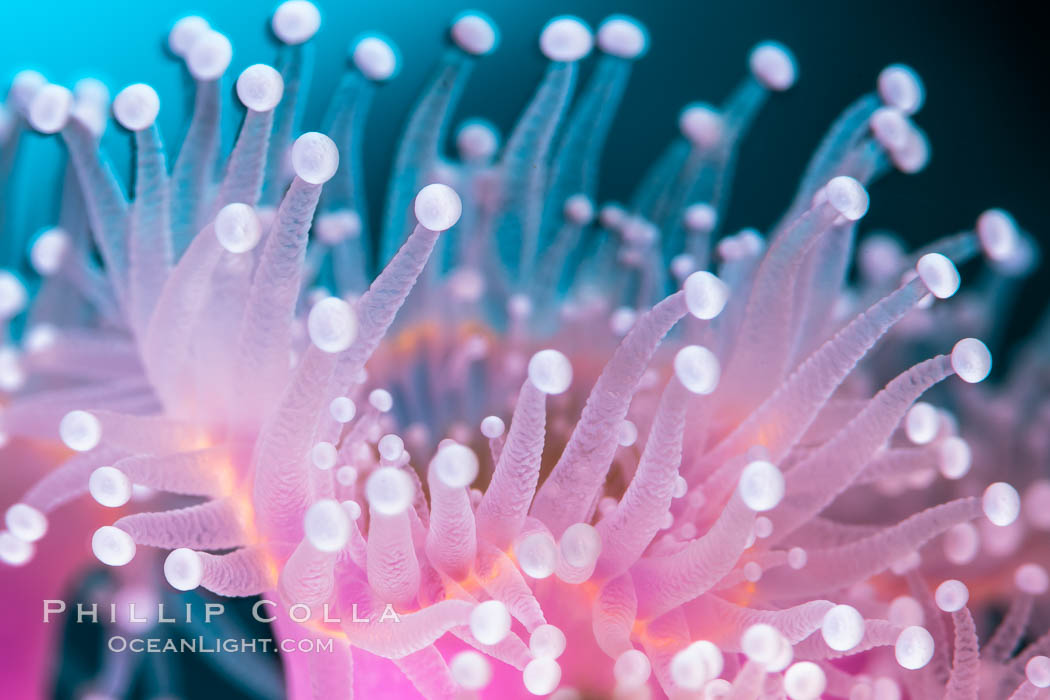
<point x="579" y="210"/>
<point x="700" y="218"/>
<point x="24" y="86"/>
<point x="475" y="33"/>
<point x="632" y="669"/>
<point x="376" y="57"/>
<point x="296" y="21"/>
<point x="456" y="465"/>
<point x="951" y="595"/>
<point x="541" y="676"/>
<point x="238" y="228"/>
<point x="550" y="371"/>
<point x="14" y="551"/>
<point x="136" y="107"/>
<point x="890" y="128"/>
<point x="701" y="124"/>
<point x="848" y="197"/>
<point x="998" y="234"/>
<point x="13" y="294"/>
<point x="761" y="486"/>
<point x="477" y="141"/>
<point x="25" y="522"/>
<point x="184" y="569"/>
<point x="537" y="554"/>
<point x="623" y="36"/>
<point x="1037" y="671"/>
<point x="773" y="65"/>
<point x="327" y="525"/>
<point x="566" y="39"/>
<point x="112" y="546"/>
<point x="842" y="627"/>
<point x="260" y="87"/>
<point x="971" y="360"/>
<point x="901" y="87"/>
<point x="804" y="680"/>
<point x="914" y="647"/>
<point x="315" y="158"/>
<point x="389" y="491"/>
<point x="580" y="545"/>
<point x="342" y="409"/>
<point x="332" y="325"/>
<point x="492" y="427"/>
<point x="109" y="487"/>
<point x="1001" y="503"/>
<point x="185" y="33"/>
<point x="1031" y="579"/>
<point x="470" y="670"/>
<point x="692" y="667"/>
<point x="50" y="108"/>
<point x="209" y="56"/>
<point x="914" y="155"/>
<point x="697" y="369"/>
<point x="705" y="294"/>
<point x="547" y="642"/>
<point x="490" y="622"/>
<point x="80" y="431"/>
<point x="939" y="274"/>
<point x="437" y="207"/>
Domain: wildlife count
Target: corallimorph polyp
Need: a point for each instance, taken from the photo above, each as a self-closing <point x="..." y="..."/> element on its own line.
<point x="501" y="441"/>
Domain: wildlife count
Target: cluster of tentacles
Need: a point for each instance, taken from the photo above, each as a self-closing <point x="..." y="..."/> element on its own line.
<point x="576" y="462"/>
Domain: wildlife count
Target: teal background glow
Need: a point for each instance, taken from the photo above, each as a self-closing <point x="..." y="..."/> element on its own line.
<point x="984" y="113"/>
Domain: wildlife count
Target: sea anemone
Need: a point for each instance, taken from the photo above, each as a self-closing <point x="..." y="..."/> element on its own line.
<point x="523" y="444"/>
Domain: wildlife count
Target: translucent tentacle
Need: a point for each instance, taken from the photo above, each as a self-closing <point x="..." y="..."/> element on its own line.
<point x="243" y="181"/>
<point x="67" y="481"/>
<point x="665" y="636"/>
<point x="613" y="615"/>
<point x="840" y="567"/>
<point x="393" y="570"/>
<point x="844" y="133"/>
<point x="429" y="673"/>
<point x="420" y="147"/>
<point x="210" y="525"/>
<point x="758" y="363"/>
<point x="332" y="675"/>
<point x="149" y="434"/>
<point x="666" y="582"/>
<point x="243" y="572"/>
<point x="182" y="300"/>
<point x="451" y="543"/>
<point x="308" y="577"/>
<point x="748" y="683"/>
<point x="295" y="66"/>
<point x="280" y="460"/>
<point x="106" y="203"/>
<point x="570" y="489"/>
<point x="963" y="684"/>
<point x="783" y="418"/>
<point x="413" y="632"/>
<point x="505" y="505"/>
<point x="501" y="579"/>
<point x="877" y="633"/>
<point x="378" y="306"/>
<point x="814" y="483"/>
<point x="206" y="472"/>
<point x="1010" y="631"/>
<point x="149" y="240"/>
<point x="524" y="169"/>
<point x="264" y="337"/>
<point x="638" y="517"/>
<point x="191" y="176"/>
